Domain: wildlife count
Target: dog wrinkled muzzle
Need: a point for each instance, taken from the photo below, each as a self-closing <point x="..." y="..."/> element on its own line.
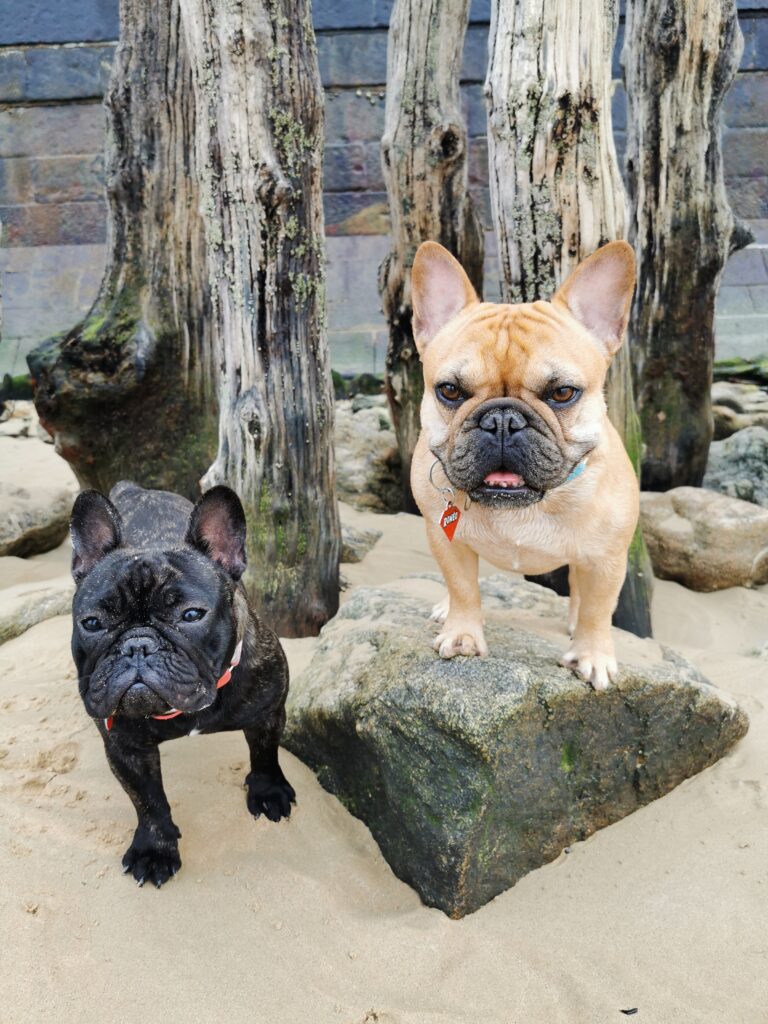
<point x="505" y="456"/>
<point x="141" y="676"/>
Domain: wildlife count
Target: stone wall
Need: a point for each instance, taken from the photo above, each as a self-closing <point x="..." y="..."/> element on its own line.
<point x="54" y="62"/>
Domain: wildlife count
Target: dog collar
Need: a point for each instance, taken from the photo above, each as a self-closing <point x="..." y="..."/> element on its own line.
<point x="173" y="713"/>
<point x="575" y="472"/>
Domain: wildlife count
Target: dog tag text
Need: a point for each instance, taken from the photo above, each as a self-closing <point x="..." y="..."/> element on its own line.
<point x="449" y="520"/>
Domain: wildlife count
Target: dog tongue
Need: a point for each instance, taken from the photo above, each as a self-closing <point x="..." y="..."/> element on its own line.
<point x="508" y="479"/>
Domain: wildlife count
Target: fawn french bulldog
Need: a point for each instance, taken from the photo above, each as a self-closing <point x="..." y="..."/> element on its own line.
<point x="517" y="460"/>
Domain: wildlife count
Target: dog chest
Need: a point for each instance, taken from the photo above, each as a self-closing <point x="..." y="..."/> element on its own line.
<point x="516" y="542"/>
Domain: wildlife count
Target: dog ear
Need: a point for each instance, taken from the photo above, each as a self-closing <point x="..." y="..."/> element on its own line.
<point x="217" y="528"/>
<point x="96" y="529"/>
<point x="599" y="293"/>
<point x="440" y="289"/>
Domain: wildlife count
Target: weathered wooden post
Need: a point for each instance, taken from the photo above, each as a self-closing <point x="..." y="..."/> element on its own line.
<point x="130" y="391"/>
<point x="679" y="58"/>
<point x="214" y="292"/>
<point x="259" y="150"/>
<point x="424" y="159"/>
<point x="556" y="190"/>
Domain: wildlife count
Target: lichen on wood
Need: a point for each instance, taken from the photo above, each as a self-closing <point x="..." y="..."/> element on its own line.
<point x="424" y="161"/>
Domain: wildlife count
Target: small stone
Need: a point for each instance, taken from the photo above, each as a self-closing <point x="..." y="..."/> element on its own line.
<point x="370" y="402"/>
<point x="355" y="544"/>
<point x="37" y="490"/>
<point x="704" y="540"/>
<point x="367" y="457"/>
<point x="728" y="421"/>
<point x="738" y="465"/>
<point x="26" y="604"/>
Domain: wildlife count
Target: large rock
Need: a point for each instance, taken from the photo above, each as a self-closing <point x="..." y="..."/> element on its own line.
<point x="472" y="772"/>
<point x="738" y="466"/>
<point x="26" y="604"/>
<point x="37" y="489"/>
<point x="704" y="540"/>
<point x="367" y="457"/>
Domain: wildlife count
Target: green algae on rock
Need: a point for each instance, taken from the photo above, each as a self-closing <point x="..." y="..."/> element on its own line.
<point x="472" y="772"/>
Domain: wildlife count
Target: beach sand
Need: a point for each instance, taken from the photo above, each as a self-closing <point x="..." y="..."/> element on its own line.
<point x="304" y="923"/>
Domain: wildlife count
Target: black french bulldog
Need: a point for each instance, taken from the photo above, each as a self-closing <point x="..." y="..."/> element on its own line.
<point x="165" y="646"/>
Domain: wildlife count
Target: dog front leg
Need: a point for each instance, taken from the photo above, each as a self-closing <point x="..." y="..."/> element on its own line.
<point x="597" y="589"/>
<point x="462" y="631"/>
<point x="268" y="790"/>
<point x="154" y="853"/>
<point x="573" y="601"/>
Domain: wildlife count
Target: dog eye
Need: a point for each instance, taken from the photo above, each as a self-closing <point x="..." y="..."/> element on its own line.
<point x="91" y="624"/>
<point x="449" y="393"/>
<point x="564" y="395"/>
<point x="193" y="614"/>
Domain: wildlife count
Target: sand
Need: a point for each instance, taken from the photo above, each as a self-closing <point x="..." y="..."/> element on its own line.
<point x="666" y="911"/>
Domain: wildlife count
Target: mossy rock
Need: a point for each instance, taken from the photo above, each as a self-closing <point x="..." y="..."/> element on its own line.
<point x="472" y="772"/>
<point x="742" y="369"/>
<point x="15" y="388"/>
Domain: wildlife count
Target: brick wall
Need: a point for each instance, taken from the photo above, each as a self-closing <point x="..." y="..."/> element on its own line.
<point x="54" y="62"/>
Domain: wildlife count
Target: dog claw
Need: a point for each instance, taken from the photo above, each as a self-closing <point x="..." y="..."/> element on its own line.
<point x="270" y="797"/>
<point x="150" y="863"/>
<point x="599" y="670"/>
<point x="462" y="642"/>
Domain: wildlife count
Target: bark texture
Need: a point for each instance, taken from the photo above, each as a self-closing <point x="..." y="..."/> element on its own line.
<point x="129" y="391"/>
<point x="556" y="190"/>
<point x="424" y="160"/>
<point x="679" y="58"/>
<point x="259" y="150"/>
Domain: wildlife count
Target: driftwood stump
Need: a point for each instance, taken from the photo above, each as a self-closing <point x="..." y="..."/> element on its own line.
<point x="259" y="150"/>
<point x="679" y="59"/>
<point x="214" y="293"/>
<point x="130" y="391"/>
<point x="556" y="190"/>
<point x="424" y="159"/>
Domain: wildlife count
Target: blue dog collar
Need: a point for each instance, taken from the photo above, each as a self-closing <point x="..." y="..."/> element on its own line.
<point x="576" y="471"/>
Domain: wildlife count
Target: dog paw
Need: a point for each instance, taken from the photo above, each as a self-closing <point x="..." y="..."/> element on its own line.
<point x="467" y="641"/>
<point x="151" y="861"/>
<point x="595" y="667"/>
<point x="269" y="795"/>
<point x="440" y="611"/>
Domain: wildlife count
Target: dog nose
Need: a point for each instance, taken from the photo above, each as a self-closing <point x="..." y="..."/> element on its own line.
<point x="503" y="421"/>
<point x="143" y="645"/>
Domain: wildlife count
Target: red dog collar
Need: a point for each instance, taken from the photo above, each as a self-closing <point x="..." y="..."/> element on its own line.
<point x="173" y="713"/>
